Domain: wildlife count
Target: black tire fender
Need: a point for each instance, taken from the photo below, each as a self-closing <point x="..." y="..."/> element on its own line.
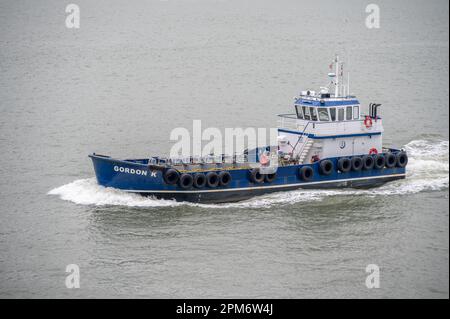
<point x="326" y="167"/>
<point x="402" y="159"/>
<point x="199" y="180"/>
<point x="306" y="173"/>
<point x="212" y="179"/>
<point x="380" y="161"/>
<point x="171" y="176"/>
<point x="391" y="160"/>
<point x="256" y="176"/>
<point x="368" y="162"/>
<point x="224" y="178"/>
<point x="186" y="181"/>
<point x="357" y="163"/>
<point x="269" y="178"/>
<point x="344" y="165"/>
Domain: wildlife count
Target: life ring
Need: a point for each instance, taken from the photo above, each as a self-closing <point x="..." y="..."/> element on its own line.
<point x="368" y="122"/>
<point x="373" y="151"/>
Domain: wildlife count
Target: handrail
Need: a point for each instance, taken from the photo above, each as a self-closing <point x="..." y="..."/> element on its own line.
<point x="323" y="99"/>
<point x="306" y="139"/>
<point x="287" y="121"/>
<point x="286" y="115"/>
<point x="329" y="122"/>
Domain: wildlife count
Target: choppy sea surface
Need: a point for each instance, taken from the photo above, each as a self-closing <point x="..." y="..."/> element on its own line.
<point x="134" y="71"/>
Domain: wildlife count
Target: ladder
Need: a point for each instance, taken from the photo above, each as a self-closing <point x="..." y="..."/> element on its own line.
<point x="305" y="149"/>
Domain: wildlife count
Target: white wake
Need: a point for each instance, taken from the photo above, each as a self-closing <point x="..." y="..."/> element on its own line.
<point x="427" y="170"/>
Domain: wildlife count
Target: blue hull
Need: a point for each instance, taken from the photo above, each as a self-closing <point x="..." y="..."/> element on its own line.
<point x="135" y="176"/>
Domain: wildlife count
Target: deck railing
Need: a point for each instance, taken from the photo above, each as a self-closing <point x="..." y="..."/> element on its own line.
<point x="288" y="121"/>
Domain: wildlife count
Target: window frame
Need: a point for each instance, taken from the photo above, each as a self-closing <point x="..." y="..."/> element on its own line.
<point x="320" y="111"/>
<point x="349" y="117"/>
<point x="356" y="114"/>
<point x="313" y="113"/>
<point x="340" y="111"/>
<point x="306" y="114"/>
<point x="298" y="110"/>
<point x="335" y="114"/>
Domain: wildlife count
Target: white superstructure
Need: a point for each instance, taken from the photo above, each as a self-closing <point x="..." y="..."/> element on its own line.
<point x="328" y="124"/>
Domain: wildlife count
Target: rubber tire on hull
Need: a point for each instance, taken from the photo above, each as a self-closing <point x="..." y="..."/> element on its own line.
<point x="391" y="160"/>
<point x="368" y="162"/>
<point x="269" y="178"/>
<point x="357" y="164"/>
<point x="212" y="179"/>
<point x="224" y="178"/>
<point x="380" y="161"/>
<point x="186" y="181"/>
<point x="402" y="159"/>
<point x="326" y="167"/>
<point x="344" y="165"/>
<point x="199" y="180"/>
<point x="306" y="173"/>
<point x="256" y="176"/>
<point x="171" y="176"/>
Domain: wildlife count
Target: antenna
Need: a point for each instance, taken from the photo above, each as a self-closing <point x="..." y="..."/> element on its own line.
<point x="337" y="78"/>
<point x="348" y="74"/>
<point x="348" y="83"/>
<point x="336" y="89"/>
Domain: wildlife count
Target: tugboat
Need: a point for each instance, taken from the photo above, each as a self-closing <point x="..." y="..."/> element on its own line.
<point x="327" y="143"/>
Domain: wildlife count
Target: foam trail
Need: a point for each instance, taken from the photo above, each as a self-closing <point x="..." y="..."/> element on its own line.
<point x="427" y="170"/>
<point x="88" y="192"/>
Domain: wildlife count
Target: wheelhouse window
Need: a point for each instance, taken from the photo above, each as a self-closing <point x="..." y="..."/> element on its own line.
<point x="306" y="113"/>
<point x="313" y="112"/>
<point x="298" y="109"/>
<point x="341" y="114"/>
<point x="323" y="114"/>
<point x="356" y="112"/>
<point x="333" y="114"/>
<point x="349" y="115"/>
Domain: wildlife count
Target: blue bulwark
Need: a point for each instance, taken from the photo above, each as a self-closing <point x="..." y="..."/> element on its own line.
<point x="324" y="102"/>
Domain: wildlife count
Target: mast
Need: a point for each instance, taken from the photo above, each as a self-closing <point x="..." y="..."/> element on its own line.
<point x="348" y="83"/>
<point x="336" y="89"/>
<point x="341" y="89"/>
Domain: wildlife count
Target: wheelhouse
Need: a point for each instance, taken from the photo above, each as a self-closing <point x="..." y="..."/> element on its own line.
<point x="328" y="111"/>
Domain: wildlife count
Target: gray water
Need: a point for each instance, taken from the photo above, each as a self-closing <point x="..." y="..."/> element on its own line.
<point x="135" y="70"/>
